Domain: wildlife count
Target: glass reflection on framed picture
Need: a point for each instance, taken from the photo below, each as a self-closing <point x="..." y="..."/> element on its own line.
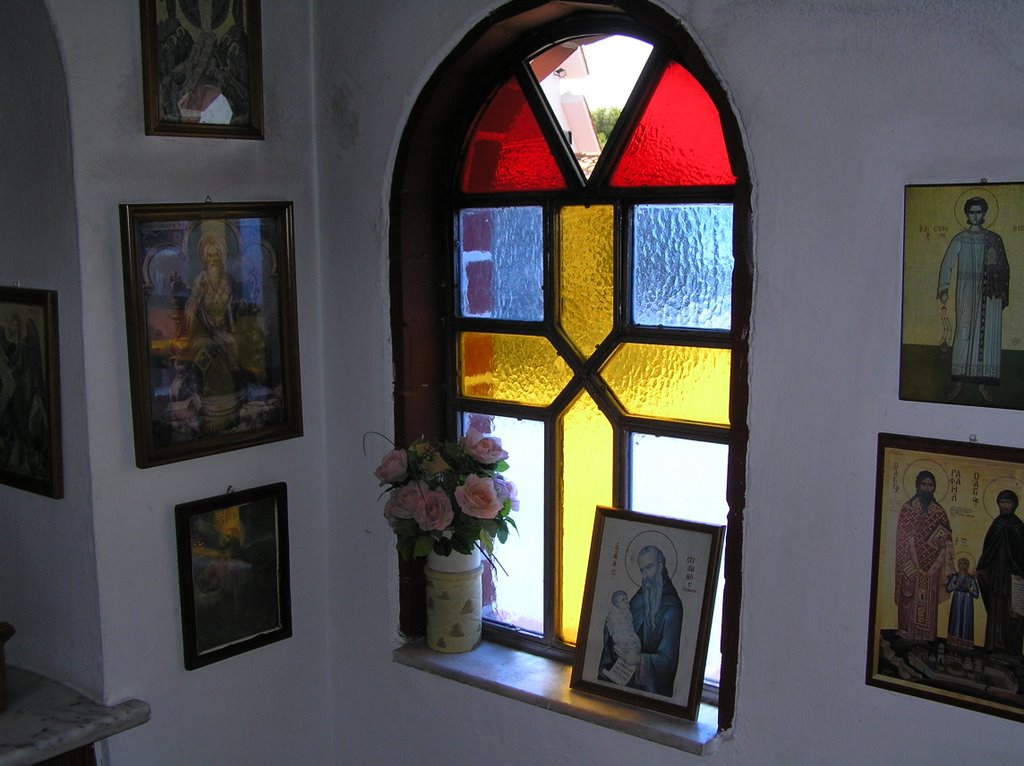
<point x="233" y="573"/>
<point x="212" y="338"/>
<point x="963" y="328"/>
<point x="201" y="68"/>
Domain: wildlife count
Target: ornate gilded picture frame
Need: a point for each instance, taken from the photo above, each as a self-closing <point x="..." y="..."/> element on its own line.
<point x="947" y="578"/>
<point x="213" y="346"/>
<point x="201" y="68"/>
<point x="647" y="606"/>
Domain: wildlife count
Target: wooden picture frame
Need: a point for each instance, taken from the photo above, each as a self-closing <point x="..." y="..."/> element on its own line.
<point x="617" y="655"/>
<point x="962" y="329"/>
<point x="201" y="68"/>
<point x="31" y="452"/>
<point x="947" y="580"/>
<point x="233" y="573"/>
<point x="213" y="351"/>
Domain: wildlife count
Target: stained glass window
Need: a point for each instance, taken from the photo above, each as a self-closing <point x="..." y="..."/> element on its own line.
<point x="501" y="259"/>
<point x="678" y="140"/>
<point x="605" y="357"/>
<point x="507" y="151"/>
<point x="592" y="305"/>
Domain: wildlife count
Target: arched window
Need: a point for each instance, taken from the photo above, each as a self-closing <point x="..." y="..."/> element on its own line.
<point x="571" y="272"/>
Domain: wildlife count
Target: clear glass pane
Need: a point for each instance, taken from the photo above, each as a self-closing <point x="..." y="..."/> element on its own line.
<point x="587" y="449"/>
<point x="507" y="151"/>
<point x="524" y="369"/>
<point x="679" y="139"/>
<point x="682" y="383"/>
<point x="586" y="275"/>
<point x="701" y="468"/>
<point x="682" y="266"/>
<point x="587" y="81"/>
<point x="513" y="590"/>
<point x="501" y="262"/>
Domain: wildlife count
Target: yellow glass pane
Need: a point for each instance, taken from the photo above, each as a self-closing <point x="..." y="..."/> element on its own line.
<point x="524" y="369"/>
<point x="671" y="382"/>
<point x="586" y="452"/>
<point x="586" y="275"/>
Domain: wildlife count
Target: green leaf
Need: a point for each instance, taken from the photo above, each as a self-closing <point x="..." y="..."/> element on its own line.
<point x="404" y="545"/>
<point x="500" y="466"/>
<point x="510" y="520"/>
<point x="406" y="527"/>
<point x="424" y="544"/>
<point x="502" y="534"/>
<point x="442" y="546"/>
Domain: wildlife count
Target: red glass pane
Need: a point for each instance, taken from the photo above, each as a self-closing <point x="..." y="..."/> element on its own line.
<point x="678" y="141"/>
<point x="507" y="151"/>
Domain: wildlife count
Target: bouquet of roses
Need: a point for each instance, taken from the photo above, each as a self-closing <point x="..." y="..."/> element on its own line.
<point x="445" y="496"/>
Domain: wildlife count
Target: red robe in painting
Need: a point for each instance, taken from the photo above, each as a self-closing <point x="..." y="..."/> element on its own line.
<point x="923" y="561"/>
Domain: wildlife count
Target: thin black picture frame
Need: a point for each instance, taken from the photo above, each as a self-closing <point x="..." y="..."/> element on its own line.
<point x="233" y="573"/>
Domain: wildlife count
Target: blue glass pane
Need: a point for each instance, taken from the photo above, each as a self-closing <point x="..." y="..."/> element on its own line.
<point x="682" y="266"/>
<point x="501" y="257"/>
<point x="683" y="479"/>
<point x="513" y="590"/>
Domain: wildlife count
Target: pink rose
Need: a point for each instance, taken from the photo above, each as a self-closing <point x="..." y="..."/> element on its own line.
<point x="437" y="510"/>
<point x="486" y="449"/>
<point x="406" y="502"/>
<point x="477" y="498"/>
<point x="393" y="468"/>
<point x="506" y="490"/>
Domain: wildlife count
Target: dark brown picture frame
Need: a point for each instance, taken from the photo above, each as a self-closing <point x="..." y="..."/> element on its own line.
<point x="233" y="573"/>
<point x="201" y="68"/>
<point x="213" y="350"/>
<point x="670" y="678"/>
<point x="31" y="452"/>
<point x="942" y="617"/>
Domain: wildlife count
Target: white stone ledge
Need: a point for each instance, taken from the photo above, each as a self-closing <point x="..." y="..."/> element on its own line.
<point x="545" y="683"/>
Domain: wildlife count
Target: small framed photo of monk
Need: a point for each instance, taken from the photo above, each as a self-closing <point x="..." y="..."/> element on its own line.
<point x="963" y="330"/>
<point x="647" y="607"/>
<point x="947" y="603"/>
<point x="213" y="350"/>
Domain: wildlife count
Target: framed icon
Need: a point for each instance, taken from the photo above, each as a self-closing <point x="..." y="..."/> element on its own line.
<point x="963" y="330"/>
<point x="201" y="68"/>
<point x="233" y="573"/>
<point x="30" y="427"/>
<point x="947" y="590"/>
<point x="647" y="607"/>
<point x="212" y="335"/>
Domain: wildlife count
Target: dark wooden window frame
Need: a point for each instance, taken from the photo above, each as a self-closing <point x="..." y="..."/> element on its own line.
<point x="424" y="196"/>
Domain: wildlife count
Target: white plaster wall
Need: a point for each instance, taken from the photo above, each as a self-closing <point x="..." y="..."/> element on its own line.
<point x="48" y="587"/>
<point x="841" y="104"/>
<point x="267" y="706"/>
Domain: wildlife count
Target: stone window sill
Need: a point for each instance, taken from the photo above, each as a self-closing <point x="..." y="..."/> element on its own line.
<point x="545" y="683"/>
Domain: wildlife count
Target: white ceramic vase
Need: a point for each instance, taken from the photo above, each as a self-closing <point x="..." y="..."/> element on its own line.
<point x="454" y="600"/>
